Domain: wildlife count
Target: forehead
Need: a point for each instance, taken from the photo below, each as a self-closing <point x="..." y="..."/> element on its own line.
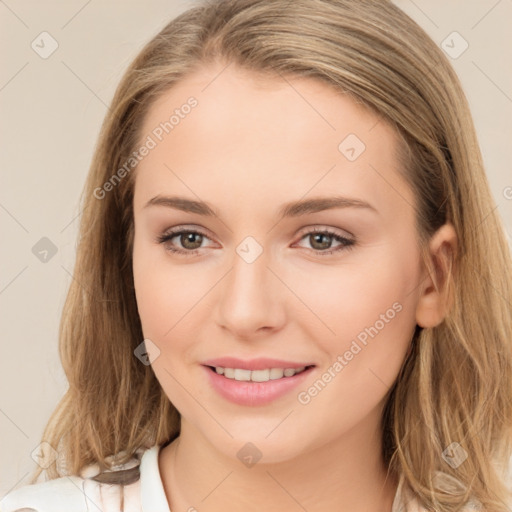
<point x="228" y="93"/>
<point x="275" y="136"/>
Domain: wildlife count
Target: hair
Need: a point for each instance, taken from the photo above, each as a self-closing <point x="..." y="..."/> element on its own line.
<point x="455" y="384"/>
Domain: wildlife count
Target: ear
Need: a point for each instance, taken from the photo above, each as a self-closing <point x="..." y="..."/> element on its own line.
<point x="435" y="291"/>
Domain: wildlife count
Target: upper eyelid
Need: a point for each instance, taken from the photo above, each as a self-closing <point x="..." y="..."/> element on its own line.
<point x="176" y="231"/>
<point x="333" y="231"/>
<point x="201" y="230"/>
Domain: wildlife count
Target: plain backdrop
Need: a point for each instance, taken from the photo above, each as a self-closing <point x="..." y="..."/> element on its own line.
<point x="51" y="112"/>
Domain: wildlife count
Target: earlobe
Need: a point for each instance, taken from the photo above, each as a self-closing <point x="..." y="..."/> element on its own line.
<point x="435" y="291"/>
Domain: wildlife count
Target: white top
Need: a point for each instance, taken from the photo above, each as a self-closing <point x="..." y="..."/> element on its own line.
<point x="82" y="494"/>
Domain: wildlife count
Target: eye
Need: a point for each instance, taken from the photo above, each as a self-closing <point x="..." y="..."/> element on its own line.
<point x="191" y="241"/>
<point x="321" y="241"/>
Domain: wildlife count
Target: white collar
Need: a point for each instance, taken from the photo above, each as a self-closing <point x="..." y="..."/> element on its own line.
<point x="152" y="492"/>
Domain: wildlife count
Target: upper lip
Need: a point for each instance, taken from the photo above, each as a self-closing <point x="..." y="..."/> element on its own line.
<point x="260" y="363"/>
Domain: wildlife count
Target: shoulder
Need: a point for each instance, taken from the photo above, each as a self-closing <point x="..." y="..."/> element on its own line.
<point x="108" y="491"/>
<point x="65" y="493"/>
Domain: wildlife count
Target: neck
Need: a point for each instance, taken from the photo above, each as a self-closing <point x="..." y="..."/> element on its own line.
<point x="344" y="475"/>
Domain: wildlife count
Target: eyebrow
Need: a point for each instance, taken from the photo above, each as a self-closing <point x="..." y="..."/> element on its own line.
<point x="291" y="209"/>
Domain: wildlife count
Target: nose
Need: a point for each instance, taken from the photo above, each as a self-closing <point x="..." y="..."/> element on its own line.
<point x="251" y="299"/>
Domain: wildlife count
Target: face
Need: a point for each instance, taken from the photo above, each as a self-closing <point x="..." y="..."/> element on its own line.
<point x="329" y="285"/>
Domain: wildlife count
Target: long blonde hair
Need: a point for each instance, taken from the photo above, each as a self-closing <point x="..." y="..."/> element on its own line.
<point x="456" y="383"/>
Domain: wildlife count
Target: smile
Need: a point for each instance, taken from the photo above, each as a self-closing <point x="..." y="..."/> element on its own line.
<point x="255" y="387"/>
<point x="257" y="375"/>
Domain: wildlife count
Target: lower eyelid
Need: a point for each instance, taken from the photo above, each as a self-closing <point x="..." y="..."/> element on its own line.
<point x="345" y="242"/>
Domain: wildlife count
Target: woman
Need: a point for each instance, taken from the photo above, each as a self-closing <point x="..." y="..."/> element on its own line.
<point x="293" y="289"/>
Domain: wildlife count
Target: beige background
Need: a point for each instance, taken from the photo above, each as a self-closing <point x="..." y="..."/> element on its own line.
<point x="51" y="111"/>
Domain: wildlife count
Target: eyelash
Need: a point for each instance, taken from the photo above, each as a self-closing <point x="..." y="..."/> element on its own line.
<point x="346" y="242"/>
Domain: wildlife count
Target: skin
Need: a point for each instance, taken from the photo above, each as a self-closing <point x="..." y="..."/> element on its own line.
<point x="251" y="145"/>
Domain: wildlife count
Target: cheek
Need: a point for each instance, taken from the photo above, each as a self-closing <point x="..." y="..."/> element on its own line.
<point x="150" y="292"/>
<point x="365" y="309"/>
<point x="164" y="297"/>
<point x="373" y="316"/>
<point x="173" y="307"/>
<point x="163" y="294"/>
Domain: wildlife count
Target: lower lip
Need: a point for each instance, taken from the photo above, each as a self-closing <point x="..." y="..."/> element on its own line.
<point x="254" y="393"/>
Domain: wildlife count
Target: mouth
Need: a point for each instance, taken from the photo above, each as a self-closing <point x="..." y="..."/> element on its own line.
<point x="256" y="387"/>
<point x="263" y="375"/>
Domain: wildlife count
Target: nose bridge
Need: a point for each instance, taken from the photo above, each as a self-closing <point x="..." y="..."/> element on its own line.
<point x="249" y="297"/>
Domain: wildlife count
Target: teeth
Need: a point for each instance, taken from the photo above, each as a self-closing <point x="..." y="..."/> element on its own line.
<point x="258" y="375"/>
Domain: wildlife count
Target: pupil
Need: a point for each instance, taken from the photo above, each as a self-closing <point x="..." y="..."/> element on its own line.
<point x="324" y="245"/>
<point x="189" y="237"/>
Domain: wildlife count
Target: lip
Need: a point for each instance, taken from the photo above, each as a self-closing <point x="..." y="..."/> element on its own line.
<point x="261" y="363"/>
<point x="254" y="393"/>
